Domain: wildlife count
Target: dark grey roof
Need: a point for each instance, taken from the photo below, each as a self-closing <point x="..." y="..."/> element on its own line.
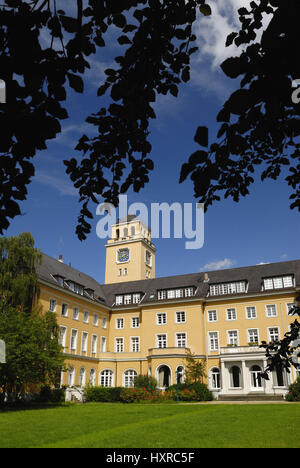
<point x="51" y="267"/>
<point x="253" y="275"/>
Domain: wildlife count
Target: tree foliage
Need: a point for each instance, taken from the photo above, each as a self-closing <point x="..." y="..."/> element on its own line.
<point x="283" y="354"/>
<point x="158" y="42"/>
<point x="33" y="353"/>
<point x="259" y="123"/>
<point x="195" y="369"/>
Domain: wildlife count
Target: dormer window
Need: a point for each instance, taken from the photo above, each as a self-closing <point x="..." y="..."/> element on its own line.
<point x="278" y="282"/>
<point x="126" y="299"/>
<point x="90" y="293"/>
<point x="76" y="288"/>
<point x="175" y="293"/>
<point x="59" y="279"/>
<point x="227" y="288"/>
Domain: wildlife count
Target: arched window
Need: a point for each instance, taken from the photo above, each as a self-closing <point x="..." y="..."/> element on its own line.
<point x="215" y="378"/>
<point x="118" y="233"/>
<point x="128" y="378"/>
<point x="132" y="230"/>
<point x="71" y="376"/>
<point x="180" y="374"/>
<point x="92" y="378"/>
<point x="235" y="376"/>
<point x="279" y="377"/>
<point x="81" y="380"/>
<point x="164" y="376"/>
<point x="125" y="232"/>
<point x="106" y="378"/>
<point x="256" y="381"/>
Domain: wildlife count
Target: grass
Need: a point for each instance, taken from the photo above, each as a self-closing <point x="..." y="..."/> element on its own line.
<point x="106" y="425"/>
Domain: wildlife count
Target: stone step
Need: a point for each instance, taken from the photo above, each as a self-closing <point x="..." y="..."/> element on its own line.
<point x="251" y="397"/>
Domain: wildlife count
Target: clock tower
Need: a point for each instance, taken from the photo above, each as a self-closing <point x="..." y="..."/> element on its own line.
<point x="130" y="254"/>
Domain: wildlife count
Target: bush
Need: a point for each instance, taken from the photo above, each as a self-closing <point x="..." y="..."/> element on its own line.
<point x="115" y="393"/>
<point x="202" y="391"/>
<point x="196" y="391"/>
<point x="97" y="394"/>
<point x="144" y="381"/>
<point x="51" y="395"/>
<point x="136" y="395"/>
<point x="294" y="391"/>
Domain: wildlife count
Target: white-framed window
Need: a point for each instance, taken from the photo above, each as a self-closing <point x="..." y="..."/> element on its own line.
<point x="127" y="299"/>
<point x="189" y="292"/>
<point x="162" y="295"/>
<point x="75" y="313"/>
<point x="120" y="272"/>
<point x="253" y="335"/>
<point x="231" y="314"/>
<point x="213" y="339"/>
<point x="212" y="316"/>
<point x="215" y="378"/>
<point x="135" y="322"/>
<point x="106" y="378"/>
<point x="73" y="340"/>
<point x="273" y="333"/>
<point x="94" y="344"/>
<point x="136" y="298"/>
<point x="128" y="378"/>
<point x="178" y="292"/>
<point x="278" y="282"/>
<point x="135" y="344"/>
<point x="119" y="300"/>
<point x="104" y="322"/>
<point x="103" y="344"/>
<point x="86" y="316"/>
<point x="92" y="378"/>
<point x="95" y="320"/>
<point x="180" y="317"/>
<point x="119" y="345"/>
<point x="232" y="337"/>
<point x="181" y="340"/>
<point x="119" y="323"/>
<point x="271" y="310"/>
<point x="62" y="336"/>
<point x="171" y="294"/>
<point x="125" y="272"/>
<point x="161" y="341"/>
<point x="71" y="376"/>
<point x="52" y="305"/>
<point x="84" y="342"/>
<point x="64" y="310"/>
<point x="251" y="312"/>
<point x="81" y="379"/>
<point x="161" y="318"/>
<point x="227" y="288"/>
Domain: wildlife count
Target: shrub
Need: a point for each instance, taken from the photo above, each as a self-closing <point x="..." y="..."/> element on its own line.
<point x="97" y="394"/>
<point x="136" y="395"/>
<point x="144" y="381"/>
<point x="51" y="395"/>
<point x="202" y="391"/>
<point x="294" y="391"/>
<point x="115" y="393"/>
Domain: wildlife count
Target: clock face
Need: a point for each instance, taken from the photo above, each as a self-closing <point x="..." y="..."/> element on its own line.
<point x="123" y="255"/>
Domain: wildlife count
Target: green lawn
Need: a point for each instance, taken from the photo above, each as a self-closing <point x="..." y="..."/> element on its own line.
<point x="153" y="426"/>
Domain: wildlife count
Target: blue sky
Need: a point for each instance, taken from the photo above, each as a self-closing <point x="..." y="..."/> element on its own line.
<point x="260" y="228"/>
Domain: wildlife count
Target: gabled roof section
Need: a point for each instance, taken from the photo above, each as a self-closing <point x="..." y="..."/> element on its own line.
<point x="51" y="267"/>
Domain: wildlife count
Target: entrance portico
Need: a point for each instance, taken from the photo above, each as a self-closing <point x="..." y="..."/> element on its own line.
<point x="240" y="373"/>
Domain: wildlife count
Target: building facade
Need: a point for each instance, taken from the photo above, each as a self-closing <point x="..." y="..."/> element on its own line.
<point x="136" y="323"/>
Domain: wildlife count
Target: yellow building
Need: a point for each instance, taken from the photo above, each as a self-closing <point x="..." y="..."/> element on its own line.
<point x="138" y="324"/>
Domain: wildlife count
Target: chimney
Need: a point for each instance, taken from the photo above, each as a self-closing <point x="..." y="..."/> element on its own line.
<point x="60" y="259"/>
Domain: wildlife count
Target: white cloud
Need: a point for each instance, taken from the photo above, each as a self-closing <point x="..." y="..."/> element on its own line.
<point x="218" y="265"/>
<point x="59" y="183"/>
